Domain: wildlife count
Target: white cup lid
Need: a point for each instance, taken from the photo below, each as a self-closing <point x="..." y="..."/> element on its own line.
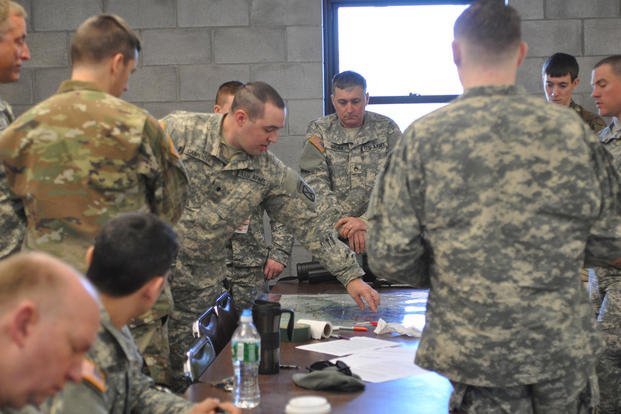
<point x="308" y="405"/>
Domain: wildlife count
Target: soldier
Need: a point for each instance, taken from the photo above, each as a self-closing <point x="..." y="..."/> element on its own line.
<point x="233" y="173"/>
<point x="604" y="284"/>
<point x="511" y="196"/>
<point x="128" y="264"/>
<point x="83" y="156"/>
<point x="343" y="154"/>
<point x="44" y="338"/>
<point x="250" y="261"/>
<point x="560" y="78"/>
<point x="13" y="52"/>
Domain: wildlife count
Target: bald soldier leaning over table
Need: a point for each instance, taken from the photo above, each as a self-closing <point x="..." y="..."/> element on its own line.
<point x="232" y="173"/>
<point x="83" y="156"/>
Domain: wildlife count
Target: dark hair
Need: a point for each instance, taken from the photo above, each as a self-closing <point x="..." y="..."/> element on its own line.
<point x="130" y="250"/>
<point x="561" y="64"/>
<point x="490" y="25"/>
<point x="348" y="79"/>
<point x="227" y="88"/>
<point x="614" y="61"/>
<point x="102" y="36"/>
<point x="252" y="98"/>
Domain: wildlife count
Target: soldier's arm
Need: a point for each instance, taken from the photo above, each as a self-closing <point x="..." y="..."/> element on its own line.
<point x="315" y="169"/>
<point x="394" y="237"/>
<point x="293" y="203"/>
<point x="282" y="241"/>
<point x="12" y="219"/>
<point x="165" y="175"/>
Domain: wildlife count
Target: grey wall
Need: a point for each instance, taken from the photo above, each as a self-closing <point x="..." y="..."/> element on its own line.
<point x="191" y="46"/>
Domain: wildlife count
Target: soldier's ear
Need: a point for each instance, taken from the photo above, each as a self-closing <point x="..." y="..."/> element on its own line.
<point x="89" y="256"/>
<point x="22" y="322"/>
<point x="240" y="116"/>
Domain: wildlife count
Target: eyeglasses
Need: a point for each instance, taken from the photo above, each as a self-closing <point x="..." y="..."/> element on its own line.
<point x="320" y="365"/>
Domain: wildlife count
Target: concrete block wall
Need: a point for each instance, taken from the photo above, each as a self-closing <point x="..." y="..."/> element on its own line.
<point x="587" y="29"/>
<point x="191" y="46"/>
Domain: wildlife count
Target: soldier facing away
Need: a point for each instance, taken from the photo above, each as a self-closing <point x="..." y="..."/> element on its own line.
<point x="509" y="208"/>
<point x="83" y="156"/>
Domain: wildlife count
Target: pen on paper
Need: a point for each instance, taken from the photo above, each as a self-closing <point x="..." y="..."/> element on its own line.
<point x="351" y="328"/>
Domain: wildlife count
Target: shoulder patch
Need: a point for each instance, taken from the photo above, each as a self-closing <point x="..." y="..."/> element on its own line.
<point x="306" y="190"/>
<point x="93" y="375"/>
<point x="315" y="140"/>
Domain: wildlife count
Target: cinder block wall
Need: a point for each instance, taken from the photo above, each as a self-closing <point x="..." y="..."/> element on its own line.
<point x="191" y="46"/>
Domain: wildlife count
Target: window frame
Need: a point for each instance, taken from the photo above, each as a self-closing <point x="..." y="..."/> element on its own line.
<point x="331" y="49"/>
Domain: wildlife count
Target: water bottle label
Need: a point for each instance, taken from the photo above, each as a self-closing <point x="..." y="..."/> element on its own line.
<point x="246" y="351"/>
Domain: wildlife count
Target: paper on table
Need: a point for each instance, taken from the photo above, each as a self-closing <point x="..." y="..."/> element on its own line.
<point x="381" y="365"/>
<point x="342" y="347"/>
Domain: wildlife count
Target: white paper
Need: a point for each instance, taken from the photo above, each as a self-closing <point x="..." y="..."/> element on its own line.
<point x="383" y="364"/>
<point x="353" y="345"/>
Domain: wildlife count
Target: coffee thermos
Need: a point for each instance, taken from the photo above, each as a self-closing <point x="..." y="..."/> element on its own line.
<point x="266" y="318"/>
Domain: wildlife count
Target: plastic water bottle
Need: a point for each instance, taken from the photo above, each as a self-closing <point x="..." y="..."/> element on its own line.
<point x="246" y="348"/>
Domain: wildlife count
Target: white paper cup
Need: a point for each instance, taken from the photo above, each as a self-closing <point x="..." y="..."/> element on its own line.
<point x="308" y="405"/>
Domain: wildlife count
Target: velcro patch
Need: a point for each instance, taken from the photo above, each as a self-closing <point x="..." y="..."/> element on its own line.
<point x="93" y="375"/>
<point x="306" y="190"/>
<point x="315" y="140"/>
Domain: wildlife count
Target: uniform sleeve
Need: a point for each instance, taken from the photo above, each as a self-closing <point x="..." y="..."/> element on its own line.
<point x="12" y="219"/>
<point x="153" y="401"/>
<point x="282" y="242"/>
<point x="293" y="203"/>
<point x="395" y="244"/>
<point x="315" y="170"/>
<point x="165" y="175"/>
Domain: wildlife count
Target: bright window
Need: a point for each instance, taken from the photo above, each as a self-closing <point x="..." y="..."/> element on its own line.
<point x="402" y="48"/>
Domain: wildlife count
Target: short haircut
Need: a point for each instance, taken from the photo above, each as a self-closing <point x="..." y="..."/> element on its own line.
<point x="130" y="250"/>
<point x="252" y="98"/>
<point x="348" y="79"/>
<point x="560" y="64"/>
<point x="227" y="88"/>
<point x="101" y="37"/>
<point x="491" y="26"/>
<point x="614" y="61"/>
<point x="7" y="9"/>
<point x="27" y="275"/>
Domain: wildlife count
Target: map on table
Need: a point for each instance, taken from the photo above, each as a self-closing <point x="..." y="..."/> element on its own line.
<point x="404" y="307"/>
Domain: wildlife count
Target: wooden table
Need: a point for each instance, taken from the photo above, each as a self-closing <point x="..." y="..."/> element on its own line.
<point x="421" y="394"/>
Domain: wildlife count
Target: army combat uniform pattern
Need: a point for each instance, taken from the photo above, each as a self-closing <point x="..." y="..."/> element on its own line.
<point x="594" y="121"/>
<point x="113" y="381"/>
<point x="12" y="222"/>
<point x="82" y="157"/>
<point x="605" y="290"/>
<point x="340" y="167"/>
<point x="512" y="196"/>
<point x="223" y="194"/>
<point x="248" y="253"/>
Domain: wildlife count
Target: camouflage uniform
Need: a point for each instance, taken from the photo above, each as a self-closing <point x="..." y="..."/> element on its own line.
<point x="80" y="158"/>
<point x="248" y="253"/>
<point x="512" y="196"/>
<point x="605" y="290"/>
<point x="225" y="189"/>
<point x="342" y="169"/>
<point x="29" y="409"/>
<point x="113" y="380"/>
<point x="11" y="214"/>
<point x="594" y="121"/>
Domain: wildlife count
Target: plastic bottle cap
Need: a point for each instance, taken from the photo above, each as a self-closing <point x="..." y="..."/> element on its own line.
<point x="308" y="405"/>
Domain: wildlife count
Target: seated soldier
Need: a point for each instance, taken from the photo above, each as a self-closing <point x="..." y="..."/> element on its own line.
<point x="128" y="265"/>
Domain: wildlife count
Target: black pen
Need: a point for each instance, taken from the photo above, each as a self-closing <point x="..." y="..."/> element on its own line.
<point x="289" y="367"/>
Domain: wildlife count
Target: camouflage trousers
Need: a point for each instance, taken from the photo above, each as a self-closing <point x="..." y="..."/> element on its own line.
<point x="605" y="292"/>
<point x="574" y="393"/>
<point x="193" y="290"/>
<point x="245" y="284"/>
<point x="152" y="341"/>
